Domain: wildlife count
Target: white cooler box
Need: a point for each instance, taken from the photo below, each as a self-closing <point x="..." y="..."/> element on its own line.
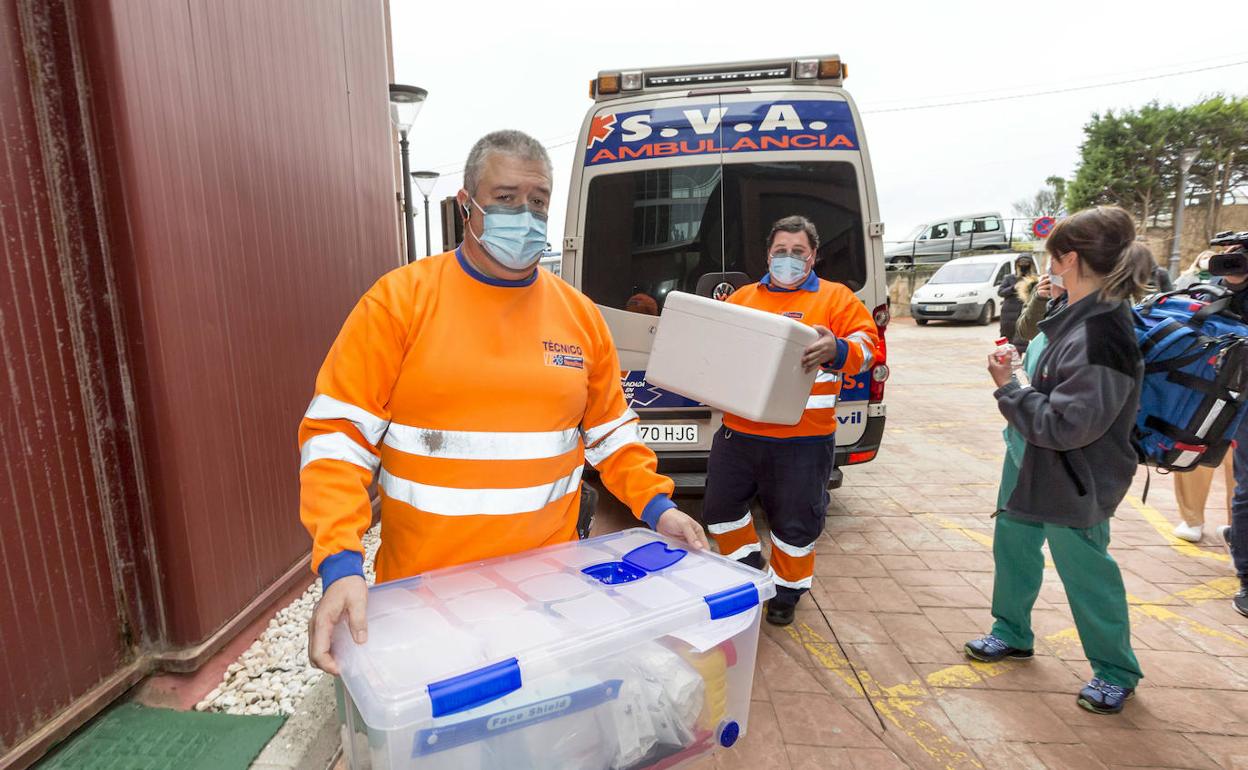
<point x="737" y="359"/>
<point x="624" y="651"/>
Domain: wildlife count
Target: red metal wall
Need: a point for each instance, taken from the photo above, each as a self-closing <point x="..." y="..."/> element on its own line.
<point x="255" y="159"/>
<point x="192" y="196"/>
<point x="65" y="622"/>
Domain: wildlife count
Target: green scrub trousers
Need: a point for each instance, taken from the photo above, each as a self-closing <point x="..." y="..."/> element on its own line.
<point x="1093" y="582"/>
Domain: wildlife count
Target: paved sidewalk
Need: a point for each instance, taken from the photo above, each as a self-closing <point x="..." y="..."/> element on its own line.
<point x="872" y="674"/>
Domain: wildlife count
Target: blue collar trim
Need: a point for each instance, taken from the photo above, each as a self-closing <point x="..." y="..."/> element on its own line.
<point x="810" y="284"/>
<point x="477" y="275"/>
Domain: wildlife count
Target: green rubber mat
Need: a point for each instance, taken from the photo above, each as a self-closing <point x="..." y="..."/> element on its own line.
<point x="134" y="737"/>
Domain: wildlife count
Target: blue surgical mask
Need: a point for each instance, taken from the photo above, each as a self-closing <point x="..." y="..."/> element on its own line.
<point x="514" y="236"/>
<point x="787" y="269"/>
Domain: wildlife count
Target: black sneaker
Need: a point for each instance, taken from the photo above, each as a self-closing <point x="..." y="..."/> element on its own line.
<point x="990" y="649"/>
<point x="1240" y="601"/>
<point x="780" y="614"/>
<point x="1101" y="697"/>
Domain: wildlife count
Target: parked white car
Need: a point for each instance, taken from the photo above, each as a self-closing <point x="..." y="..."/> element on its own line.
<point x="964" y="289"/>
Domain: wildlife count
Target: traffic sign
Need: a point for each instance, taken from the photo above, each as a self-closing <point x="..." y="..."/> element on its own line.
<point x="1043" y="226"/>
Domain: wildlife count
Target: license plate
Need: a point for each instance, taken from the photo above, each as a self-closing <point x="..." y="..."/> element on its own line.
<point x="938" y="308"/>
<point x="669" y="433"/>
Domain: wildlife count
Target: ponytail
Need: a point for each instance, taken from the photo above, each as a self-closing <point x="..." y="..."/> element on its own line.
<point x="1104" y="239"/>
<point x="1131" y="276"/>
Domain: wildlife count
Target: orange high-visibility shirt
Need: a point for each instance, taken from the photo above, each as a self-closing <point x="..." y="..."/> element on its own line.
<point x="822" y="303"/>
<point x="475" y="402"/>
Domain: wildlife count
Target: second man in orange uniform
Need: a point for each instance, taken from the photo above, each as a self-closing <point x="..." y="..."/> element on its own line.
<point x="787" y="466"/>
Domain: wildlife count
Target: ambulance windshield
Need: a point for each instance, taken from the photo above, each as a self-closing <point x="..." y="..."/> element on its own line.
<point x="656" y="231"/>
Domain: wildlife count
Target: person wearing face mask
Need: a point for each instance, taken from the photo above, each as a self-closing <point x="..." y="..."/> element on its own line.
<point x="1045" y="300"/>
<point x="1077" y="463"/>
<point x="787" y="466"/>
<point x="474" y="387"/>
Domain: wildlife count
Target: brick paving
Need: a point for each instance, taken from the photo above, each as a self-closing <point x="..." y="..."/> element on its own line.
<point x="872" y="674"/>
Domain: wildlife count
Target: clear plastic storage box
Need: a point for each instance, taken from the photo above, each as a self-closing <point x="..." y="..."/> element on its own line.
<point x="623" y="651"/>
<point x="744" y="361"/>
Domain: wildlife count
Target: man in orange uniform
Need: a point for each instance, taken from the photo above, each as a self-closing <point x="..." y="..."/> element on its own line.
<point x="787" y="466"/>
<point x="478" y="385"/>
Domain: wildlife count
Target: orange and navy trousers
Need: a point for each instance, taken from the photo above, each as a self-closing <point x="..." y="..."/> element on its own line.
<point x="790" y="479"/>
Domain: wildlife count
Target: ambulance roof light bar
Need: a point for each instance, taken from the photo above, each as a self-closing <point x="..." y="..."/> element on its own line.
<point x="811" y="70"/>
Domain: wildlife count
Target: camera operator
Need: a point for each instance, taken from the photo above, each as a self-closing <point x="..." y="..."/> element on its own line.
<point x="1231" y="267"/>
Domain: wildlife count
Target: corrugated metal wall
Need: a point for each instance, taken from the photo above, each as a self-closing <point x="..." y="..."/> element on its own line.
<point x="59" y="629"/>
<point x="255" y="155"/>
<point x="192" y="195"/>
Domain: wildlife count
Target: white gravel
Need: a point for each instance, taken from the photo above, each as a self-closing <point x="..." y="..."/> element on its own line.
<point x="274" y="674"/>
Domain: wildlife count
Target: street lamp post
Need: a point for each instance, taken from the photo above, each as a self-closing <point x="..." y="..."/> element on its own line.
<point x="425" y="180"/>
<point x="1186" y="159"/>
<point x="405" y="104"/>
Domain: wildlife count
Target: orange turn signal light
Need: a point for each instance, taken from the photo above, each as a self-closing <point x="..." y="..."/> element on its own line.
<point x="608" y="84"/>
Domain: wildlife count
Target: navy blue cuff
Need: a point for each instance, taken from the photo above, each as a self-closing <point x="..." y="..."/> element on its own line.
<point x="340" y="565"/>
<point x="657" y="506"/>
<point x="842" y="354"/>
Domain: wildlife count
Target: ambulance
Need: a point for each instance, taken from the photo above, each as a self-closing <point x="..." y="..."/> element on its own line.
<point x="678" y="176"/>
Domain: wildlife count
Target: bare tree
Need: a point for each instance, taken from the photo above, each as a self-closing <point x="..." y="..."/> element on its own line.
<point x="1047" y="202"/>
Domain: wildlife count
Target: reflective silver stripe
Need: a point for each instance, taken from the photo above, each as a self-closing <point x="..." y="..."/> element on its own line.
<point x="868" y="357"/>
<point x="449" y="501"/>
<point x="795" y="551"/>
<point x="821" y="402"/>
<point x="482" y="445"/>
<point x="745" y="551"/>
<point x="823" y="376"/>
<point x="798" y="584"/>
<point x="721" y="529"/>
<point x="336" y="446"/>
<point x="868" y="350"/>
<point x="622" y="437"/>
<point x="370" y="425"/>
<point x="599" y="432"/>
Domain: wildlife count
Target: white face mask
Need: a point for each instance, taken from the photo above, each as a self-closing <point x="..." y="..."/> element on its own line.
<point x="1056" y="278"/>
<point x="513" y="235"/>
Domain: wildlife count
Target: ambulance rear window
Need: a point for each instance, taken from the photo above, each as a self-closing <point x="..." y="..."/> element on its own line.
<point x="656" y="231"/>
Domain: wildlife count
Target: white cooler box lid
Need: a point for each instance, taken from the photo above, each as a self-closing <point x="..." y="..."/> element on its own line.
<point x="454" y="639"/>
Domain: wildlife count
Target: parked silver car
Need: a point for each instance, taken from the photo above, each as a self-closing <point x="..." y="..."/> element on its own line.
<point x="941" y="240"/>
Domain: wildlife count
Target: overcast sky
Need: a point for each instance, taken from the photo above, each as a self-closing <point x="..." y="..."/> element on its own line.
<point x="490" y="65"/>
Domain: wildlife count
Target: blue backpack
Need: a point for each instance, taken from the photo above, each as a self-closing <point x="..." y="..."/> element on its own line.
<point x="1195" y="377"/>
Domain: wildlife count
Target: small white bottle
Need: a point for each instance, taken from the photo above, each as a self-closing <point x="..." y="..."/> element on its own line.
<point x="1006" y="352"/>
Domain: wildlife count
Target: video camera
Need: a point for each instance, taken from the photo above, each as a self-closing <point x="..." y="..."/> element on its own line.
<point x="1235" y="261"/>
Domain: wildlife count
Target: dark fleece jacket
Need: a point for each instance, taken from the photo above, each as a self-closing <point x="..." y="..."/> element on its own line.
<point x="1077" y="417"/>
